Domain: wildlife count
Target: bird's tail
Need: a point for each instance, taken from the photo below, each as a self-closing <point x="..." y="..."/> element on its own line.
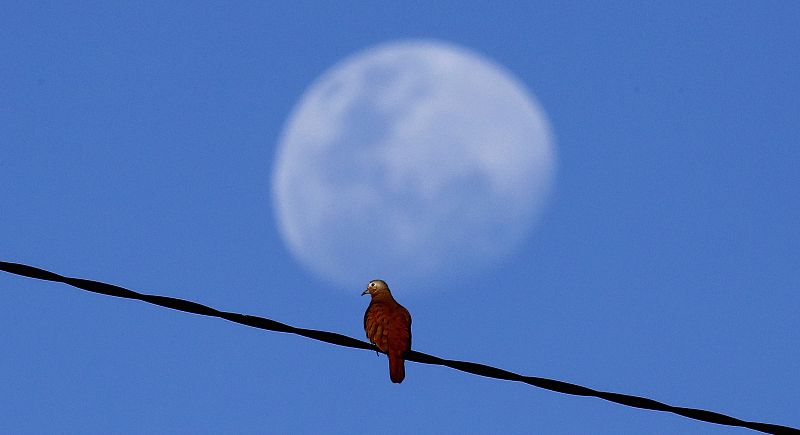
<point x="397" y="370"/>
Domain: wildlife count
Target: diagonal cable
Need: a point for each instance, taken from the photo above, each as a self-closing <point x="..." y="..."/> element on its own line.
<point x="423" y="358"/>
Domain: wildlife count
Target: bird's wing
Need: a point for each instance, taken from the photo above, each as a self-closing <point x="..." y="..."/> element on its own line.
<point x="377" y="323"/>
<point x="399" y="331"/>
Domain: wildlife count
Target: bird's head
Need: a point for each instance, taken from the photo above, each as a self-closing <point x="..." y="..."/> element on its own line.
<point x="376" y="286"/>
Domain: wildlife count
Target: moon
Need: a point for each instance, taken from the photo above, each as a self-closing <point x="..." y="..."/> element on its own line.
<point x="418" y="162"/>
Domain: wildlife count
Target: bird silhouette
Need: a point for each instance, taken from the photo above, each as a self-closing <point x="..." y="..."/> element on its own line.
<point x="388" y="326"/>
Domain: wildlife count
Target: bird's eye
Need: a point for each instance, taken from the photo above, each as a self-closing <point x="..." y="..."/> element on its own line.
<point x="372" y="284"/>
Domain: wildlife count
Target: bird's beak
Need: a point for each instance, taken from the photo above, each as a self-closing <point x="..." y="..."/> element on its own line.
<point x="365" y="292"/>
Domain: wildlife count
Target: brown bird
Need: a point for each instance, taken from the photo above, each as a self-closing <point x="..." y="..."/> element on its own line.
<point x="388" y="326"/>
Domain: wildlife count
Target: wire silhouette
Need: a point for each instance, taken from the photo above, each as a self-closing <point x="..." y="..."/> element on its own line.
<point x="423" y="358"/>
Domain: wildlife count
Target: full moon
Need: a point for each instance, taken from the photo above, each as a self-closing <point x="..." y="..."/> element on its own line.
<point x="418" y="162"/>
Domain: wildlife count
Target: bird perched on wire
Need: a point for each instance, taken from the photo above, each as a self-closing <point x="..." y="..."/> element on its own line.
<point x="388" y="326"/>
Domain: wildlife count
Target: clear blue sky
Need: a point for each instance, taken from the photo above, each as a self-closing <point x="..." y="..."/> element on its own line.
<point x="136" y="146"/>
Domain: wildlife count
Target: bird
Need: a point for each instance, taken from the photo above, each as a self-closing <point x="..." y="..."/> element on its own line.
<point x="388" y="326"/>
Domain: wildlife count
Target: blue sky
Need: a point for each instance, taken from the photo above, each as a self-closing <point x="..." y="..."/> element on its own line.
<point x="137" y="148"/>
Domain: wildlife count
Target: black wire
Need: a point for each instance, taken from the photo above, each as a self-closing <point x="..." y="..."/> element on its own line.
<point x="343" y="340"/>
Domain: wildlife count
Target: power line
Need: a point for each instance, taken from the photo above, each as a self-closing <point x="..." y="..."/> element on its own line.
<point x="423" y="358"/>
